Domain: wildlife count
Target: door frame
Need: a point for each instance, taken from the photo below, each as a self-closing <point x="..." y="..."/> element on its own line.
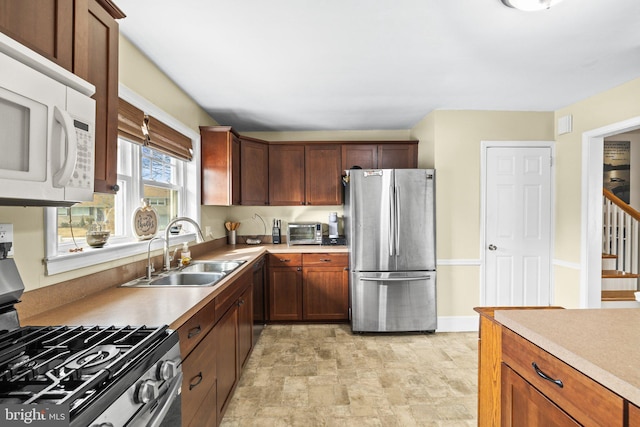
<point x="591" y="210"/>
<point x="484" y="147"/>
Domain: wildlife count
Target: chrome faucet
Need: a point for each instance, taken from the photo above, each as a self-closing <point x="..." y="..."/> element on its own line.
<point x="167" y="259"/>
<point x="150" y="267"/>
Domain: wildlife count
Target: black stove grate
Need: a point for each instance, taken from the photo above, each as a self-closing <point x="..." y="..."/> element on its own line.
<point x="70" y="365"/>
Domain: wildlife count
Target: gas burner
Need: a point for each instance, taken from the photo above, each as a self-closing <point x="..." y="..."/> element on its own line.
<point x="92" y="360"/>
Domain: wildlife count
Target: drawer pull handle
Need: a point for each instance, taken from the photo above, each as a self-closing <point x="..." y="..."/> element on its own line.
<point x="194" y="332"/>
<point x="198" y="379"/>
<point x="545" y="376"/>
<point x="325" y="260"/>
<point x="284" y="260"/>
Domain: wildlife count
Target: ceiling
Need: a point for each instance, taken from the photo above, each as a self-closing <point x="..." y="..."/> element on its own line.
<point x="278" y="65"/>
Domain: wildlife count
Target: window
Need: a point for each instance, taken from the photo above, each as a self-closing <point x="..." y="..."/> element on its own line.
<point x="143" y="172"/>
<point x="160" y="183"/>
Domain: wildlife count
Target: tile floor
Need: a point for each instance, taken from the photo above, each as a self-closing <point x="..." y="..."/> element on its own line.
<point x="323" y="375"/>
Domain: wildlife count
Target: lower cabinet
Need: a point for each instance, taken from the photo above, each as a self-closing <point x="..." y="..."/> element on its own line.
<point x="523" y="405"/>
<point x="234" y="336"/>
<point x="540" y="389"/>
<point x="199" y="384"/>
<point x="226" y="362"/>
<point x="313" y="287"/>
<point x="215" y="343"/>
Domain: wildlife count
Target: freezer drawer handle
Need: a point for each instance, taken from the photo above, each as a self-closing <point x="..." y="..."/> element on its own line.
<point x="394" y="279"/>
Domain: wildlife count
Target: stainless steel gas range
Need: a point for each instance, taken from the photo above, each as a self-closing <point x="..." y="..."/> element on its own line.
<point x="106" y="376"/>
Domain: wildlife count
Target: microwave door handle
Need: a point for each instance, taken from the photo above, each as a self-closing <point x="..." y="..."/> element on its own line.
<point x="62" y="176"/>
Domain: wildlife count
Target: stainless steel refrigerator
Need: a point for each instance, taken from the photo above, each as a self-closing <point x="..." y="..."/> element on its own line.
<point x="389" y="219"/>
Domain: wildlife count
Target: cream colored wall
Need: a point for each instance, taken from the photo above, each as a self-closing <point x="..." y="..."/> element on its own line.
<point x="612" y="106"/>
<point x="456" y="137"/>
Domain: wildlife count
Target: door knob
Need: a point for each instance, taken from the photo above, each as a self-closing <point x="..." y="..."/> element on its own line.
<point x="492" y="247"/>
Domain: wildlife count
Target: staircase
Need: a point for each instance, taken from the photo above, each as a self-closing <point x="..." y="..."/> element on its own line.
<point x="620" y="250"/>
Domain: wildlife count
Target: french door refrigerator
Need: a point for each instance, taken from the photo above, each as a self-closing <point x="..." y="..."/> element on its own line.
<point x="389" y="218"/>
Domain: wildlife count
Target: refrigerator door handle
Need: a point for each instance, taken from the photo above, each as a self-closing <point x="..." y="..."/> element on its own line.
<point x="397" y="220"/>
<point x="392" y="221"/>
<point x="394" y="279"/>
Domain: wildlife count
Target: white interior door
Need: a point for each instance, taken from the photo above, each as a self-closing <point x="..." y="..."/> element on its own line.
<point x="518" y="225"/>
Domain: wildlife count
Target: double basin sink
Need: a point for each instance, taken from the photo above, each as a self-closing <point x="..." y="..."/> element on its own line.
<point x="198" y="273"/>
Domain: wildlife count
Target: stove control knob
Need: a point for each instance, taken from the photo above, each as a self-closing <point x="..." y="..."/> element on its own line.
<point x="103" y="425"/>
<point x="147" y="391"/>
<point x="167" y="369"/>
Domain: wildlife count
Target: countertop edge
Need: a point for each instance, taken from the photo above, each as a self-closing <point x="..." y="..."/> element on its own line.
<point x="599" y="374"/>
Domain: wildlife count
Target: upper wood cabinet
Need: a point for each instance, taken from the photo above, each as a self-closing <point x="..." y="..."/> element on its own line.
<point x="46" y="26"/>
<point x="81" y="36"/>
<point x="286" y="175"/>
<point x="304" y="174"/>
<point x="96" y="60"/>
<point x="390" y="155"/>
<point x="235" y="169"/>
<point x="254" y="172"/>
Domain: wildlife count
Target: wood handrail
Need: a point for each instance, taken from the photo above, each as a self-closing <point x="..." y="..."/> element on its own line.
<point x="621" y="204"/>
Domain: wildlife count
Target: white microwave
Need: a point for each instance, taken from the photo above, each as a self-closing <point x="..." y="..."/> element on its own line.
<point x="47" y="119"/>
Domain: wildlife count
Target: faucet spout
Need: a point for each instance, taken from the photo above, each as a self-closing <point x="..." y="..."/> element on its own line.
<point x="150" y="267"/>
<point x="167" y="259"/>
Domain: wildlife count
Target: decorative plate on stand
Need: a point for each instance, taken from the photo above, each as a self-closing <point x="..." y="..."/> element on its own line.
<point x="145" y="221"/>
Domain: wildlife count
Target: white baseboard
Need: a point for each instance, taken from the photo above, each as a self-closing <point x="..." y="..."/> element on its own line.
<point x="457" y="324"/>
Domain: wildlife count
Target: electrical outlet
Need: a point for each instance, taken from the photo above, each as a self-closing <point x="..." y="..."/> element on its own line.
<point x="6" y="233"/>
<point x="6" y="240"/>
<point x="207" y="231"/>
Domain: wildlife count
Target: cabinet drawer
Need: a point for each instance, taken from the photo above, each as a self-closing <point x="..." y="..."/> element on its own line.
<point x="199" y="376"/>
<point x="283" y="260"/>
<point x="230" y="295"/>
<point x="585" y="400"/>
<point x="329" y="259"/>
<point x="194" y="329"/>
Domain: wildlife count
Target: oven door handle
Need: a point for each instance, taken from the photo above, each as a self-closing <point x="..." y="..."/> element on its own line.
<point x="172" y="393"/>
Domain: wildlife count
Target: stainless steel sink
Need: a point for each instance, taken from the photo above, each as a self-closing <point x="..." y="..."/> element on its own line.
<point x="198" y="273"/>
<point x="187" y="279"/>
<point x="214" y="266"/>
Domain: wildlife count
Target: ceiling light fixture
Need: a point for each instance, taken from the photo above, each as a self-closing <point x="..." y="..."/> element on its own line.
<point x="530" y="5"/>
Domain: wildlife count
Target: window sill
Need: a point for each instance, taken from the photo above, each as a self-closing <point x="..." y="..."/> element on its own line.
<point x="90" y="257"/>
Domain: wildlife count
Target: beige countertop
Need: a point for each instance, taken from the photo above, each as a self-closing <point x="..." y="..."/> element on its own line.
<point x="603" y="344"/>
<point x="157" y="306"/>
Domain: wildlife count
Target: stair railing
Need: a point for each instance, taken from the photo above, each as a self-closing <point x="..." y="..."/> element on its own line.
<point x="621" y="232"/>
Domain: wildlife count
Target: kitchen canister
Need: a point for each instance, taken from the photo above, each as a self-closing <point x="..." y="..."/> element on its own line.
<point x="231" y="237"/>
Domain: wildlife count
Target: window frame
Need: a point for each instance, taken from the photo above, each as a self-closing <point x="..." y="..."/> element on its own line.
<point x="190" y="201"/>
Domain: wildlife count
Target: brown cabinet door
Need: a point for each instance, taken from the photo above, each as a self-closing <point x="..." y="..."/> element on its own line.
<point x="363" y="155"/>
<point x="226" y="358"/>
<point x="254" y="173"/>
<point x="245" y="325"/>
<point x="96" y="60"/>
<point x="45" y="26"/>
<point x="523" y="405"/>
<point x="325" y="293"/>
<point x="397" y="156"/>
<point x="286" y="175"/>
<point x="285" y="293"/>
<point x="323" y="177"/>
<point x="199" y="377"/>
<point x="206" y="416"/>
<point x="220" y="151"/>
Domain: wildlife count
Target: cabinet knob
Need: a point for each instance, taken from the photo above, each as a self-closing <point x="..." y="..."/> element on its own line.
<point x="299" y="269"/>
<point x="115" y="187"/>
